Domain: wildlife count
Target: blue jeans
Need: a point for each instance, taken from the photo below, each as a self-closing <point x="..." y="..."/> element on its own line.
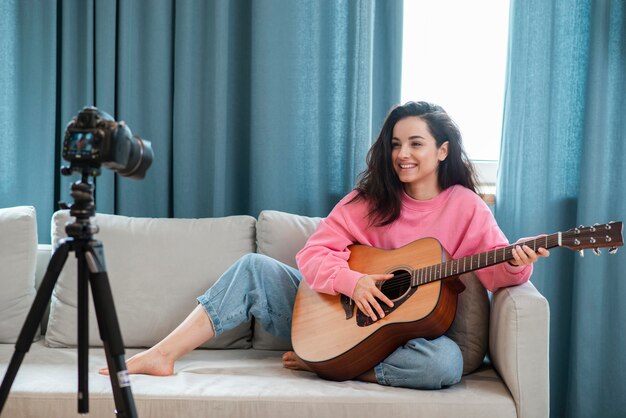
<point x="261" y="287"/>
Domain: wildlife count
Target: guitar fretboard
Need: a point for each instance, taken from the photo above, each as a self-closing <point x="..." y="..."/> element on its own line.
<point x="478" y="261"/>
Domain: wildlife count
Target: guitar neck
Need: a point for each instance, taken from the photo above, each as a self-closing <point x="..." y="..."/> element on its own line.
<point x="478" y="261"/>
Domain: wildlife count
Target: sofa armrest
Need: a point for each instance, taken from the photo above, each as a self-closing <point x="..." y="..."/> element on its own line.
<point x="518" y="343"/>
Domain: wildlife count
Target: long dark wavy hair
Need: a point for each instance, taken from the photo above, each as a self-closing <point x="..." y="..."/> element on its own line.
<point x="379" y="184"/>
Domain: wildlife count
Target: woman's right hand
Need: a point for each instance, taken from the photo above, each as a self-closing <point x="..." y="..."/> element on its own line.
<point x="366" y="292"/>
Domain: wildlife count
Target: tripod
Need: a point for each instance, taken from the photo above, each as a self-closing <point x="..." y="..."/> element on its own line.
<point x="91" y="266"/>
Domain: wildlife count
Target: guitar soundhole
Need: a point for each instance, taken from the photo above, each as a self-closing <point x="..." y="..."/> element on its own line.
<point x="398" y="286"/>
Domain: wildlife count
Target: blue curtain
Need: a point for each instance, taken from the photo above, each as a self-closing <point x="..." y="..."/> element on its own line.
<point x="249" y="105"/>
<point x="562" y="164"/>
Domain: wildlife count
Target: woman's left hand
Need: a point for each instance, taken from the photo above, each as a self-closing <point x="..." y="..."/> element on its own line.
<point x="523" y="255"/>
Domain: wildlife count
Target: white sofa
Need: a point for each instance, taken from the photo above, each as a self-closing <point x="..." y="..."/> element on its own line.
<point x="157" y="267"/>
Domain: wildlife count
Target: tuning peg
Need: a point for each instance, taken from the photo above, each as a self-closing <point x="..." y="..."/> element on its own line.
<point x="597" y="251"/>
<point x="612" y="250"/>
<point x="581" y="253"/>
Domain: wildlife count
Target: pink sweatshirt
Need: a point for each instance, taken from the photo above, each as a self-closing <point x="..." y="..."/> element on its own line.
<point x="457" y="217"/>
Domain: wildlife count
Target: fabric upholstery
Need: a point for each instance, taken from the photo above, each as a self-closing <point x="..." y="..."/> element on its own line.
<point x="156" y="268"/>
<point x="253" y="383"/>
<point x="519" y="344"/>
<point x="241" y="384"/>
<point x="470" y="329"/>
<point x="18" y="257"/>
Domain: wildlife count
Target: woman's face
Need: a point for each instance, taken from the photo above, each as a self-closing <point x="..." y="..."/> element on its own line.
<point x="415" y="157"/>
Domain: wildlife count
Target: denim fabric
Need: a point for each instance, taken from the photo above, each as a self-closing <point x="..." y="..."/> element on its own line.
<point x="255" y="286"/>
<point x="422" y="364"/>
<point x="261" y="287"/>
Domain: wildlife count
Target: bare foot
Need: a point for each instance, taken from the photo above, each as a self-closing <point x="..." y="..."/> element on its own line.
<point x="293" y="362"/>
<point x="151" y="361"/>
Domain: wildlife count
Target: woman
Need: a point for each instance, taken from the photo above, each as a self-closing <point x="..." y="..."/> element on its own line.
<point x="418" y="183"/>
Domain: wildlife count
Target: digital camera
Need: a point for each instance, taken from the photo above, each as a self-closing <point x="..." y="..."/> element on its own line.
<point x="94" y="138"/>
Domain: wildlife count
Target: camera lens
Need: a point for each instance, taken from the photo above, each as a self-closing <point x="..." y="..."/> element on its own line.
<point x="139" y="159"/>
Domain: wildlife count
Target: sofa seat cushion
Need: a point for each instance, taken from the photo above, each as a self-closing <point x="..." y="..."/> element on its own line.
<point x="18" y="259"/>
<point x="240" y="383"/>
<point x="156" y="269"/>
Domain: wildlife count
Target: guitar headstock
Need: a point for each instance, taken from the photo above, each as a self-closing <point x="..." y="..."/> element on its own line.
<point x="596" y="236"/>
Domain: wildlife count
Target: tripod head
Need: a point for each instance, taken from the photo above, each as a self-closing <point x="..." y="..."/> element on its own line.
<point x="83" y="208"/>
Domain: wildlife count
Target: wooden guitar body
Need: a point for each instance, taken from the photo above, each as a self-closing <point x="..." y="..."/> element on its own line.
<point x="337" y="348"/>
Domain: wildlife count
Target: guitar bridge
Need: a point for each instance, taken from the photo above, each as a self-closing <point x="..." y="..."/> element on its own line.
<point x="348" y="306"/>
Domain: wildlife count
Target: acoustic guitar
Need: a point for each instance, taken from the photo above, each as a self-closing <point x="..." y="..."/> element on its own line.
<point x="340" y="342"/>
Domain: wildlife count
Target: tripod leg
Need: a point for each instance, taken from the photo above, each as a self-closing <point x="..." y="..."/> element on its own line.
<point x="33" y="319"/>
<point x="83" y="330"/>
<point x="110" y="332"/>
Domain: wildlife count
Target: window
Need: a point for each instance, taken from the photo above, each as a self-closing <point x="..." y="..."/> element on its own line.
<point x="454" y="54"/>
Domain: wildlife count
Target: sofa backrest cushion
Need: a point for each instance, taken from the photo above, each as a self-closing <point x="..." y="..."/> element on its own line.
<point x="156" y="269"/>
<point x="18" y="258"/>
<point x="281" y="235"/>
<point x="470" y="329"/>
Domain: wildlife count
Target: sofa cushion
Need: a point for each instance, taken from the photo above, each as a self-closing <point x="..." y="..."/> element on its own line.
<point x="241" y="384"/>
<point x="18" y="257"/>
<point x="470" y="329"/>
<point x="156" y="269"/>
<point x="281" y="235"/>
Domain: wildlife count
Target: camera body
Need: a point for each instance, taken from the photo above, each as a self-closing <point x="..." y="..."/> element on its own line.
<point x="93" y="138"/>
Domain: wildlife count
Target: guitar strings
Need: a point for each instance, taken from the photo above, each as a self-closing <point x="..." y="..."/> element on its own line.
<point x="399" y="279"/>
<point x="435" y="273"/>
<point x="436" y="270"/>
